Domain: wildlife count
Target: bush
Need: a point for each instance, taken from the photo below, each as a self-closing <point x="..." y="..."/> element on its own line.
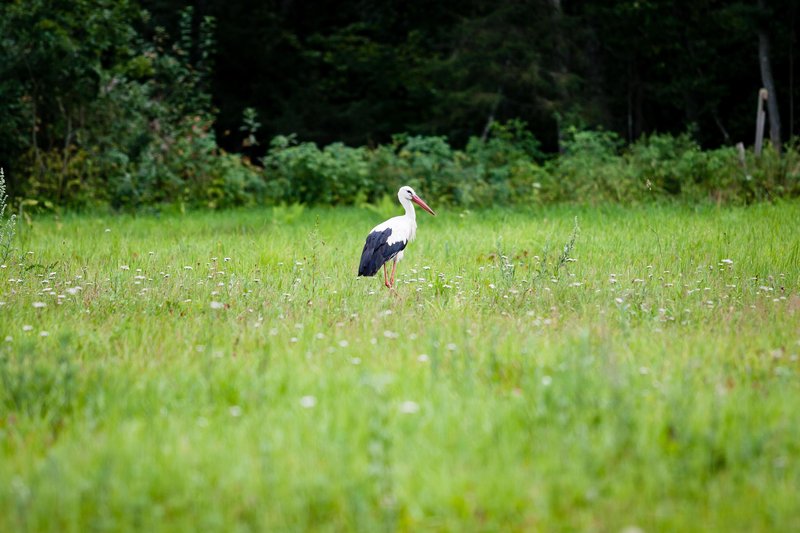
<point x="304" y="173"/>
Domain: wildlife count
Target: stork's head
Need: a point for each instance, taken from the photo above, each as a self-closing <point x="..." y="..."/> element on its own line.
<point x="406" y="193"/>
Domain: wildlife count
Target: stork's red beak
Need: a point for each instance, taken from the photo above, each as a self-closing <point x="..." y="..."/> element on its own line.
<point x="417" y="200"/>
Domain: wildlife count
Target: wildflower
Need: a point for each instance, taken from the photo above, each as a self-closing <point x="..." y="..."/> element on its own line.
<point x="124" y="267"/>
<point x="235" y="411"/>
<point x="308" y="402"/>
<point x="546" y="381"/>
<point x="217" y="305"/>
<point x="9" y="338"/>
<point x="344" y="343"/>
<point x="356" y="360"/>
<point x="43" y="333"/>
<point x="451" y="346"/>
<point x="27" y="327"/>
<point x="39" y="305"/>
<point x="727" y="261"/>
<point x="408" y="407"/>
<point x="423" y="358"/>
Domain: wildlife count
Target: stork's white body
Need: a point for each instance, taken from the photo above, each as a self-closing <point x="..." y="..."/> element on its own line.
<point x="404" y="229"/>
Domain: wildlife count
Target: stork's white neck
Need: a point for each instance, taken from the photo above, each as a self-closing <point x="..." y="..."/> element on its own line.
<point x="409" y="207"/>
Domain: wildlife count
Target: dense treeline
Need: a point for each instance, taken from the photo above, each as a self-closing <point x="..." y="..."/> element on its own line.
<point x="361" y="71"/>
<point x="131" y="103"/>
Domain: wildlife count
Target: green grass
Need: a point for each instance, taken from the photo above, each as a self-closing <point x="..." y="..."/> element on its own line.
<point x="648" y="383"/>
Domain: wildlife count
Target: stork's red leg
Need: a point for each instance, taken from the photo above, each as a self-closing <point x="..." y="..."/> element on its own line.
<point x="385" y="279"/>
<point x="394" y="268"/>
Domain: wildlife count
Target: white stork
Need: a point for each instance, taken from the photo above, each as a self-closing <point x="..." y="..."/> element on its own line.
<point x="387" y="241"/>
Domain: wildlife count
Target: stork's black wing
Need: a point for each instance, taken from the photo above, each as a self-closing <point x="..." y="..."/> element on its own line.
<point x="377" y="251"/>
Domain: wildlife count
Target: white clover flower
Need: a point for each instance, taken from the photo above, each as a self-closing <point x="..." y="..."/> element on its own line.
<point x="308" y="402"/>
<point x="124" y="267"/>
<point x="39" y="305"/>
<point x="408" y="407"/>
<point x="27" y="327"/>
<point x="217" y="305"/>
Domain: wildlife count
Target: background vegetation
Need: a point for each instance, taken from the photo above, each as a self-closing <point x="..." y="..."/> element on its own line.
<point x="145" y="103"/>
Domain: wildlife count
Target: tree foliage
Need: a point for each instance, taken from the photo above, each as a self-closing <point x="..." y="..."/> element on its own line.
<point x="139" y="102"/>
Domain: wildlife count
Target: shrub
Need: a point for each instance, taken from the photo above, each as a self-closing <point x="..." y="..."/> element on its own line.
<point x="303" y="173"/>
<point x="7" y="227"/>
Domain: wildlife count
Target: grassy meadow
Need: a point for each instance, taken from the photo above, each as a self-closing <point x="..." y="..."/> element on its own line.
<point x="229" y="372"/>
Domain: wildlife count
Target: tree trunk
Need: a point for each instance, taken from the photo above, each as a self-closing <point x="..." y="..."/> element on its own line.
<point x="769" y="85"/>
